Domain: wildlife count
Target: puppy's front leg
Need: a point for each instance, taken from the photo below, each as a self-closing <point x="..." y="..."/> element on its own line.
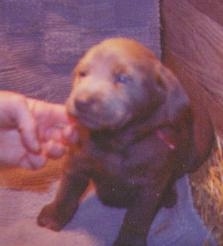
<point x="138" y="220"/>
<point x="74" y="182"/>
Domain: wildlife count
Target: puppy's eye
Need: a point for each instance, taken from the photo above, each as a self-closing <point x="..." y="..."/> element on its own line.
<point x="122" y="78"/>
<point x="82" y="73"/>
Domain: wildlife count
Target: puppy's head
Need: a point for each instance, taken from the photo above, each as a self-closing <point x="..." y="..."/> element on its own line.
<point x="115" y="82"/>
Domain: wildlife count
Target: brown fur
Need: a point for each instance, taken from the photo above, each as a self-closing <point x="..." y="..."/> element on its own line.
<point x="141" y="137"/>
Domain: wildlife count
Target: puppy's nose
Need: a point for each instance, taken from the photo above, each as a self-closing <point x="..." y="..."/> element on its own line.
<point x="87" y="104"/>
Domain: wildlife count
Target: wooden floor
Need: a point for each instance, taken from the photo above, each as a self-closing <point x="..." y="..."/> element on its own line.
<point x="31" y="180"/>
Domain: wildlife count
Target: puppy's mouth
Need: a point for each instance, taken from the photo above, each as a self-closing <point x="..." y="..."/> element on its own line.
<point x="89" y="120"/>
<point x="102" y="120"/>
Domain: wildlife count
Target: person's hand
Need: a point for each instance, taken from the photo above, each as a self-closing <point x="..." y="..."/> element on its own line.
<point x="55" y="129"/>
<point x="19" y="143"/>
<point x="32" y="131"/>
<point x="14" y="151"/>
<point x="15" y="114"/>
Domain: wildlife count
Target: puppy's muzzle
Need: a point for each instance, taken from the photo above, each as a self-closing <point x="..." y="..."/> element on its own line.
<point x="85" y="105"/>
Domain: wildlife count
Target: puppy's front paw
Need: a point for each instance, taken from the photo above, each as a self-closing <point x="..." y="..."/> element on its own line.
<point x="130" y="240"/>
<point x="53" y="217"/>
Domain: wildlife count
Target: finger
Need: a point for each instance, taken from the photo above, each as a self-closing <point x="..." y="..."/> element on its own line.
<point x="53" y="113"/>
<point x="32" y="161"/>
<point x="37" y="161"/>
<point x="59" y="114"/>
<point x="66" y="136"/>
<point x="53" y="134"/>
<point x="29" y="138"/>
<point x="70" y="135"/>
<point x="54" y="149"/>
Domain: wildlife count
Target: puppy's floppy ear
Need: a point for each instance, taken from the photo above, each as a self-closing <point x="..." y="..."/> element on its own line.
<point x="176" y="111"/>
<point x="177" y="103"/>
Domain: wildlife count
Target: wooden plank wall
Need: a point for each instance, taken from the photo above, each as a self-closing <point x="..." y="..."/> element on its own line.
<point x="192" y="43"/>
<point x="192" y="34"/>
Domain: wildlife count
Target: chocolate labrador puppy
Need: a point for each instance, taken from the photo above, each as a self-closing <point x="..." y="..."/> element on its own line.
<point x="139" y="137"/>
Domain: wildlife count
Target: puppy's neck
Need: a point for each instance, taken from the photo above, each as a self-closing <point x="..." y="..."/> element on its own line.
<point x="119" y="139"/>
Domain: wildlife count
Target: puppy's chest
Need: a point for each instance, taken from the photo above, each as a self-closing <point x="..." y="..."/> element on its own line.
<point x="127" y="157"/>
<point x="109" y="154"/>
<point x="110" y="147"/>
